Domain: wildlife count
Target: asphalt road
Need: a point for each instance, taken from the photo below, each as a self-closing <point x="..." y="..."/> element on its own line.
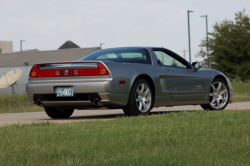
<point x="102" y="114"/>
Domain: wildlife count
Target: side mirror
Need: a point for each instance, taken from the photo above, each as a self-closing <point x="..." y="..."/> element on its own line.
<point x="195" y="66"/>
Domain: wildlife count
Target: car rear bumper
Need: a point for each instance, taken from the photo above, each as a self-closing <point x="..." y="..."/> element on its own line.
<point x="84" y="93"/>
<point x="106" y="99"/>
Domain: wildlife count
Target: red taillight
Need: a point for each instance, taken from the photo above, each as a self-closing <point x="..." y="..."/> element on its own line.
<point x="101" y="70"/>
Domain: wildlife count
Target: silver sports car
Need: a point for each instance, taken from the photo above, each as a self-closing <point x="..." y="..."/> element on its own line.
<point x="135" y="79"/>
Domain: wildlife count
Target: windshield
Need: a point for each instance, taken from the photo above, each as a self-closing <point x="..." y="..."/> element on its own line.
<point x="131" y="55"/>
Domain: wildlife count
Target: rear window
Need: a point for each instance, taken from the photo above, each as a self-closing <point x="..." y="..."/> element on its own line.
<point x="131" y="55"/>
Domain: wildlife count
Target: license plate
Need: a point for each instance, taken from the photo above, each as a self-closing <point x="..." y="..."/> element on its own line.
<point x="65" y="92"/>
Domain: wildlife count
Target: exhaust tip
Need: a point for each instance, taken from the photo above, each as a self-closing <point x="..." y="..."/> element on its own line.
<point x="38" y="102"/>
<point x="95" y="101"/>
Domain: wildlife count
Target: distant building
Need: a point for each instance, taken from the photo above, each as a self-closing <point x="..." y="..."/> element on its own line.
<point x="6" y="47"/>
<point x="26" y="59"/>
<point x="68" y="44"/>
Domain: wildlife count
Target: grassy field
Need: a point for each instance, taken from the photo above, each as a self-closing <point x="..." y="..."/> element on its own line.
<point x="241" y="90"/>
<point x="20" y="103"/>
<point x="17" y="103"/>
<point x="184" y="138"/>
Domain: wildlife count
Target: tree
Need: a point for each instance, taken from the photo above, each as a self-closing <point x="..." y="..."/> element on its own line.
<point x="229" y="47"/>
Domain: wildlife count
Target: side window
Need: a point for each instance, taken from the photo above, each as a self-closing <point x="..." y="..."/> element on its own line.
<point x="168" y="60"/>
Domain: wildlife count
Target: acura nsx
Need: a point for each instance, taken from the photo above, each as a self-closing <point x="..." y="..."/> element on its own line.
<point x="135" y="79"/>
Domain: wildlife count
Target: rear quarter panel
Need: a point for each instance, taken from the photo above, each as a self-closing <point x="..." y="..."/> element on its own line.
<point x="128" y="72"/>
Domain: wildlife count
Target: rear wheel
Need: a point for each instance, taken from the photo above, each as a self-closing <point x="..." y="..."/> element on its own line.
<point x="219" y="95"/>
<point x="140" y="98"/>
<point x="58" y="113"/>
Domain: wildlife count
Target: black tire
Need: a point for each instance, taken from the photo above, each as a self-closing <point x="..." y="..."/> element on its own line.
<point x="209" y="106"/>
<point x="57" y="113"/>
<point x="131" y="108"/>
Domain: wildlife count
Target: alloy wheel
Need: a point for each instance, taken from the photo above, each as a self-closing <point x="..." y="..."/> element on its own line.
<point x="143" y="97"/>
<point x="218" y="95"/>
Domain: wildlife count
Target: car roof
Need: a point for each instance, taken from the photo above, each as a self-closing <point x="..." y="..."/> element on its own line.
<point x="133" y="47"/>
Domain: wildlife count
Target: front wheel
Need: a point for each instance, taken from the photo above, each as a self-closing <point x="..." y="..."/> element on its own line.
<point x="219" y="95"/>
<point x="140" y="98"/>
<point x="58" y="113"/>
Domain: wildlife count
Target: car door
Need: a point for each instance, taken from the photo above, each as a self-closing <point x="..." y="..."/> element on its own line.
<point x="182" y="81"/>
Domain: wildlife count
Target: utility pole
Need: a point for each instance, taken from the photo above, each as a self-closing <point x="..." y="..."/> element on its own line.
<point x="207" y="41"/>
<point x="184" y="53"/>
<point x="101" y="45"/>
<point x="189" y="36"/>
<point x="21" y="44"/>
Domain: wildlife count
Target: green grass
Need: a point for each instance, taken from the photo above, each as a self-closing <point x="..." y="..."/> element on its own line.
<point x="185" y="138"/>
<point x="241" y="90"/>
<point x="17" y="103"/>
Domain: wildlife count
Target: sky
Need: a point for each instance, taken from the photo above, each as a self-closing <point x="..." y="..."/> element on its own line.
<point x="47" y="24"/>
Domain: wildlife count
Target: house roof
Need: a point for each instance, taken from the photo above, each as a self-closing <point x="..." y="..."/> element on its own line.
<point x="68" y="44"/>
<point x="34" y="57"/>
